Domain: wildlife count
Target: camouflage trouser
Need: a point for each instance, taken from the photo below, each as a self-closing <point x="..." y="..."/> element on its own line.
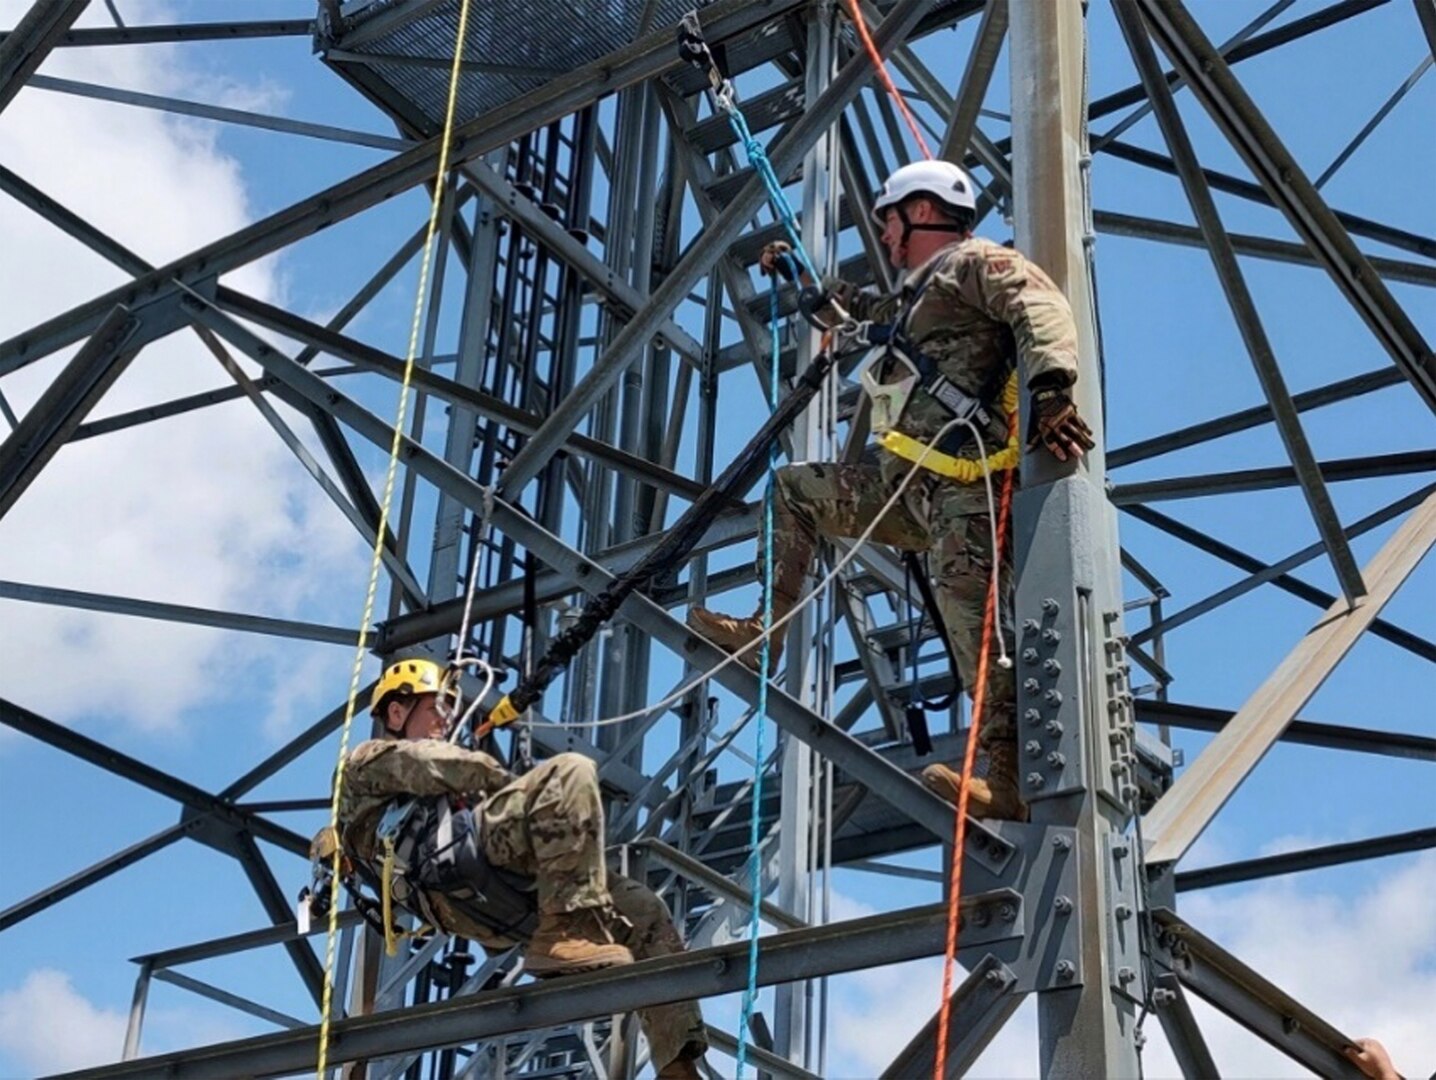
<point x="548" y="825"/>
<point x="946" y="519"/>
<point x="675" y="1028"/>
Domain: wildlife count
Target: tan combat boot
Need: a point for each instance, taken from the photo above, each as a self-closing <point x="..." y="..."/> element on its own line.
<point x="997" y="796"/>
<point x="730" y="634"/>
<point x="569" y="942"/>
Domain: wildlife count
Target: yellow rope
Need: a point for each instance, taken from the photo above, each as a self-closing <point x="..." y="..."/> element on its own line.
<point x="383" y="526"/>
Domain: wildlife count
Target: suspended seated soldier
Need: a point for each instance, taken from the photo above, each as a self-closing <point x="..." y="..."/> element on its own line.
<point x="967" y="313"/>
<point x="504" y="859"/>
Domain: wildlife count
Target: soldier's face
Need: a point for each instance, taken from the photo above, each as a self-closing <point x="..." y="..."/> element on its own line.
<point x="892" y="238"/>
<point x="425" y="721"/>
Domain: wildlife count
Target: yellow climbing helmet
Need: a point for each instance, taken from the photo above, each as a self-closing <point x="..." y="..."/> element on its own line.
<point x="407" y="677"/>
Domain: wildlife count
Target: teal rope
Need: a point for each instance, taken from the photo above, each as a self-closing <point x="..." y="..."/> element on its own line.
<point x="758" y="158"/>
<point x="755" y="861"/>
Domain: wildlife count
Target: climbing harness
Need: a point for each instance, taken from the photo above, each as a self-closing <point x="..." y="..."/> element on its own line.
<point x="427" y="847"/>
<point x="381" y="531"/>
<point x="896" y="370"/>
<point x="432" y="847"/>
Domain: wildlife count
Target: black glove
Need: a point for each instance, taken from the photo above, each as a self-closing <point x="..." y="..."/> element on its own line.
<point x="1056" y="425"/>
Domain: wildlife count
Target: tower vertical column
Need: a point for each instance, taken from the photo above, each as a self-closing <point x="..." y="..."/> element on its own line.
<point x="1074" y="708"/>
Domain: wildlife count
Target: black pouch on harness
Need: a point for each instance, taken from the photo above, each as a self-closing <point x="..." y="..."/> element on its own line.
<point x="448" y="858"/>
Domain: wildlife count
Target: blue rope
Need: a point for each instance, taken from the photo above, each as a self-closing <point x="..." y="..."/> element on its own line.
<point x="755" y="861"/>
<point x="758" y="158"/>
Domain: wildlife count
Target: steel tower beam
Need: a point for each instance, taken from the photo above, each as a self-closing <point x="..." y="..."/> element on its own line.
<point x="24" y="49"/>
<point x="1224" y="259"/>
<point x="1184" y="812"/>
<point x="1412" y="643"/>
<point x="196" y="31"/>
<point x="1262" y="1008"/>
<point x="1316" y="858"/>
<point x="1069" y="578"/>
<point x="1304" y="732"/>
<point x="176" y="613"/>
<point x="68" y="400"/>
<point x="45" y="898"/>
<point x="243" y="117"/>
<point x="979" y="1007"/>
<point x="1285" y="182"/>
<point x="684" y="277"/>
<point x="647" y="58"/>
<point x="787" y="957"/>
<point x="193" y="798"/>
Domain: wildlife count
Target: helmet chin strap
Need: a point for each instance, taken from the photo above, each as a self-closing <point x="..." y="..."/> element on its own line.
<point x="909" y="227"/>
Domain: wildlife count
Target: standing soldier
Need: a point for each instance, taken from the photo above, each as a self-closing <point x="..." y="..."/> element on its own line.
<point x="968" y="313"/>
<point x="546" y="825"/>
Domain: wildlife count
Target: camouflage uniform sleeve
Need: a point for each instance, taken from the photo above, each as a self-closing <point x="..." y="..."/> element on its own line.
<point x="428" y="767"/>
<point x="861" y="303"/>
<point x="1007" y="287"/>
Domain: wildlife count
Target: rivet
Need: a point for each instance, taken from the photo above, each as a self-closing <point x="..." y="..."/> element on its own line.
<point x="1054" y="728"/>
<point x="1057" y="760"/>
<point x="1033" y="748"/>
<point x="1032" y="716"/>
<point x="1031" y="685"/>
<point x="1051" y="666"/>
<point x="1062" y="843"/>
<point x="1123" y="911"/>
<point x="1035" y="780"/>
<point x="1051" y="606"/>
<point x="1029" y="626"/>
<point x="1053" y="697"/>
<point x="1066" y="971"/>
<point x="1062" y="905"/>
<point x="1051" y="635"/>
<point x="1029" y="656"/>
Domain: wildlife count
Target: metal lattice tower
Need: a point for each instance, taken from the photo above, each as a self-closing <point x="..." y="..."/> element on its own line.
<point x="594" y="316"/>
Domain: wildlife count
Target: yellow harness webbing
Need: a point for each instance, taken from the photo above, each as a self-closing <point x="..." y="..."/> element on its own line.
<point x="964" y="470"/>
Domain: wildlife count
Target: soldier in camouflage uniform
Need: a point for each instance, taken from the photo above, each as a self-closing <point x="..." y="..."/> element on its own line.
<point x="546" y="825"/>
<point x="976" y="309"/>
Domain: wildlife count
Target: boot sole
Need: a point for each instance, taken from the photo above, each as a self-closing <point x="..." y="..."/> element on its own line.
<point x="574" y="969"/>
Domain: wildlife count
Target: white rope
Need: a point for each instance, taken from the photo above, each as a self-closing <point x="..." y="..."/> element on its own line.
<point x="778" y="624"/>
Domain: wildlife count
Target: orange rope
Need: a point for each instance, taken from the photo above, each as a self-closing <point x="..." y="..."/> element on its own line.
<point x="882" y="70"/>
<point x="979" y="700"/>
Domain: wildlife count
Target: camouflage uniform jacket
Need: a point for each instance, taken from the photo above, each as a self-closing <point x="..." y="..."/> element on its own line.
<point x="380" y="770"/>
<point x="982" y="308"/>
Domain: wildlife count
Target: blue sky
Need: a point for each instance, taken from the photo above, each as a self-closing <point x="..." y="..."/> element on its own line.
<point x="211" y="511"/>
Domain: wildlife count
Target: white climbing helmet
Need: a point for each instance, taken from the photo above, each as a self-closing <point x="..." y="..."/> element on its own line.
<point x="942" y="180"/>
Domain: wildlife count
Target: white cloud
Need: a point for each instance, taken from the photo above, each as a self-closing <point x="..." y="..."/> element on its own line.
<point x="48" y="1027"/>
<point x="207" y="509"/>
<point x="1366" y="963"/>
